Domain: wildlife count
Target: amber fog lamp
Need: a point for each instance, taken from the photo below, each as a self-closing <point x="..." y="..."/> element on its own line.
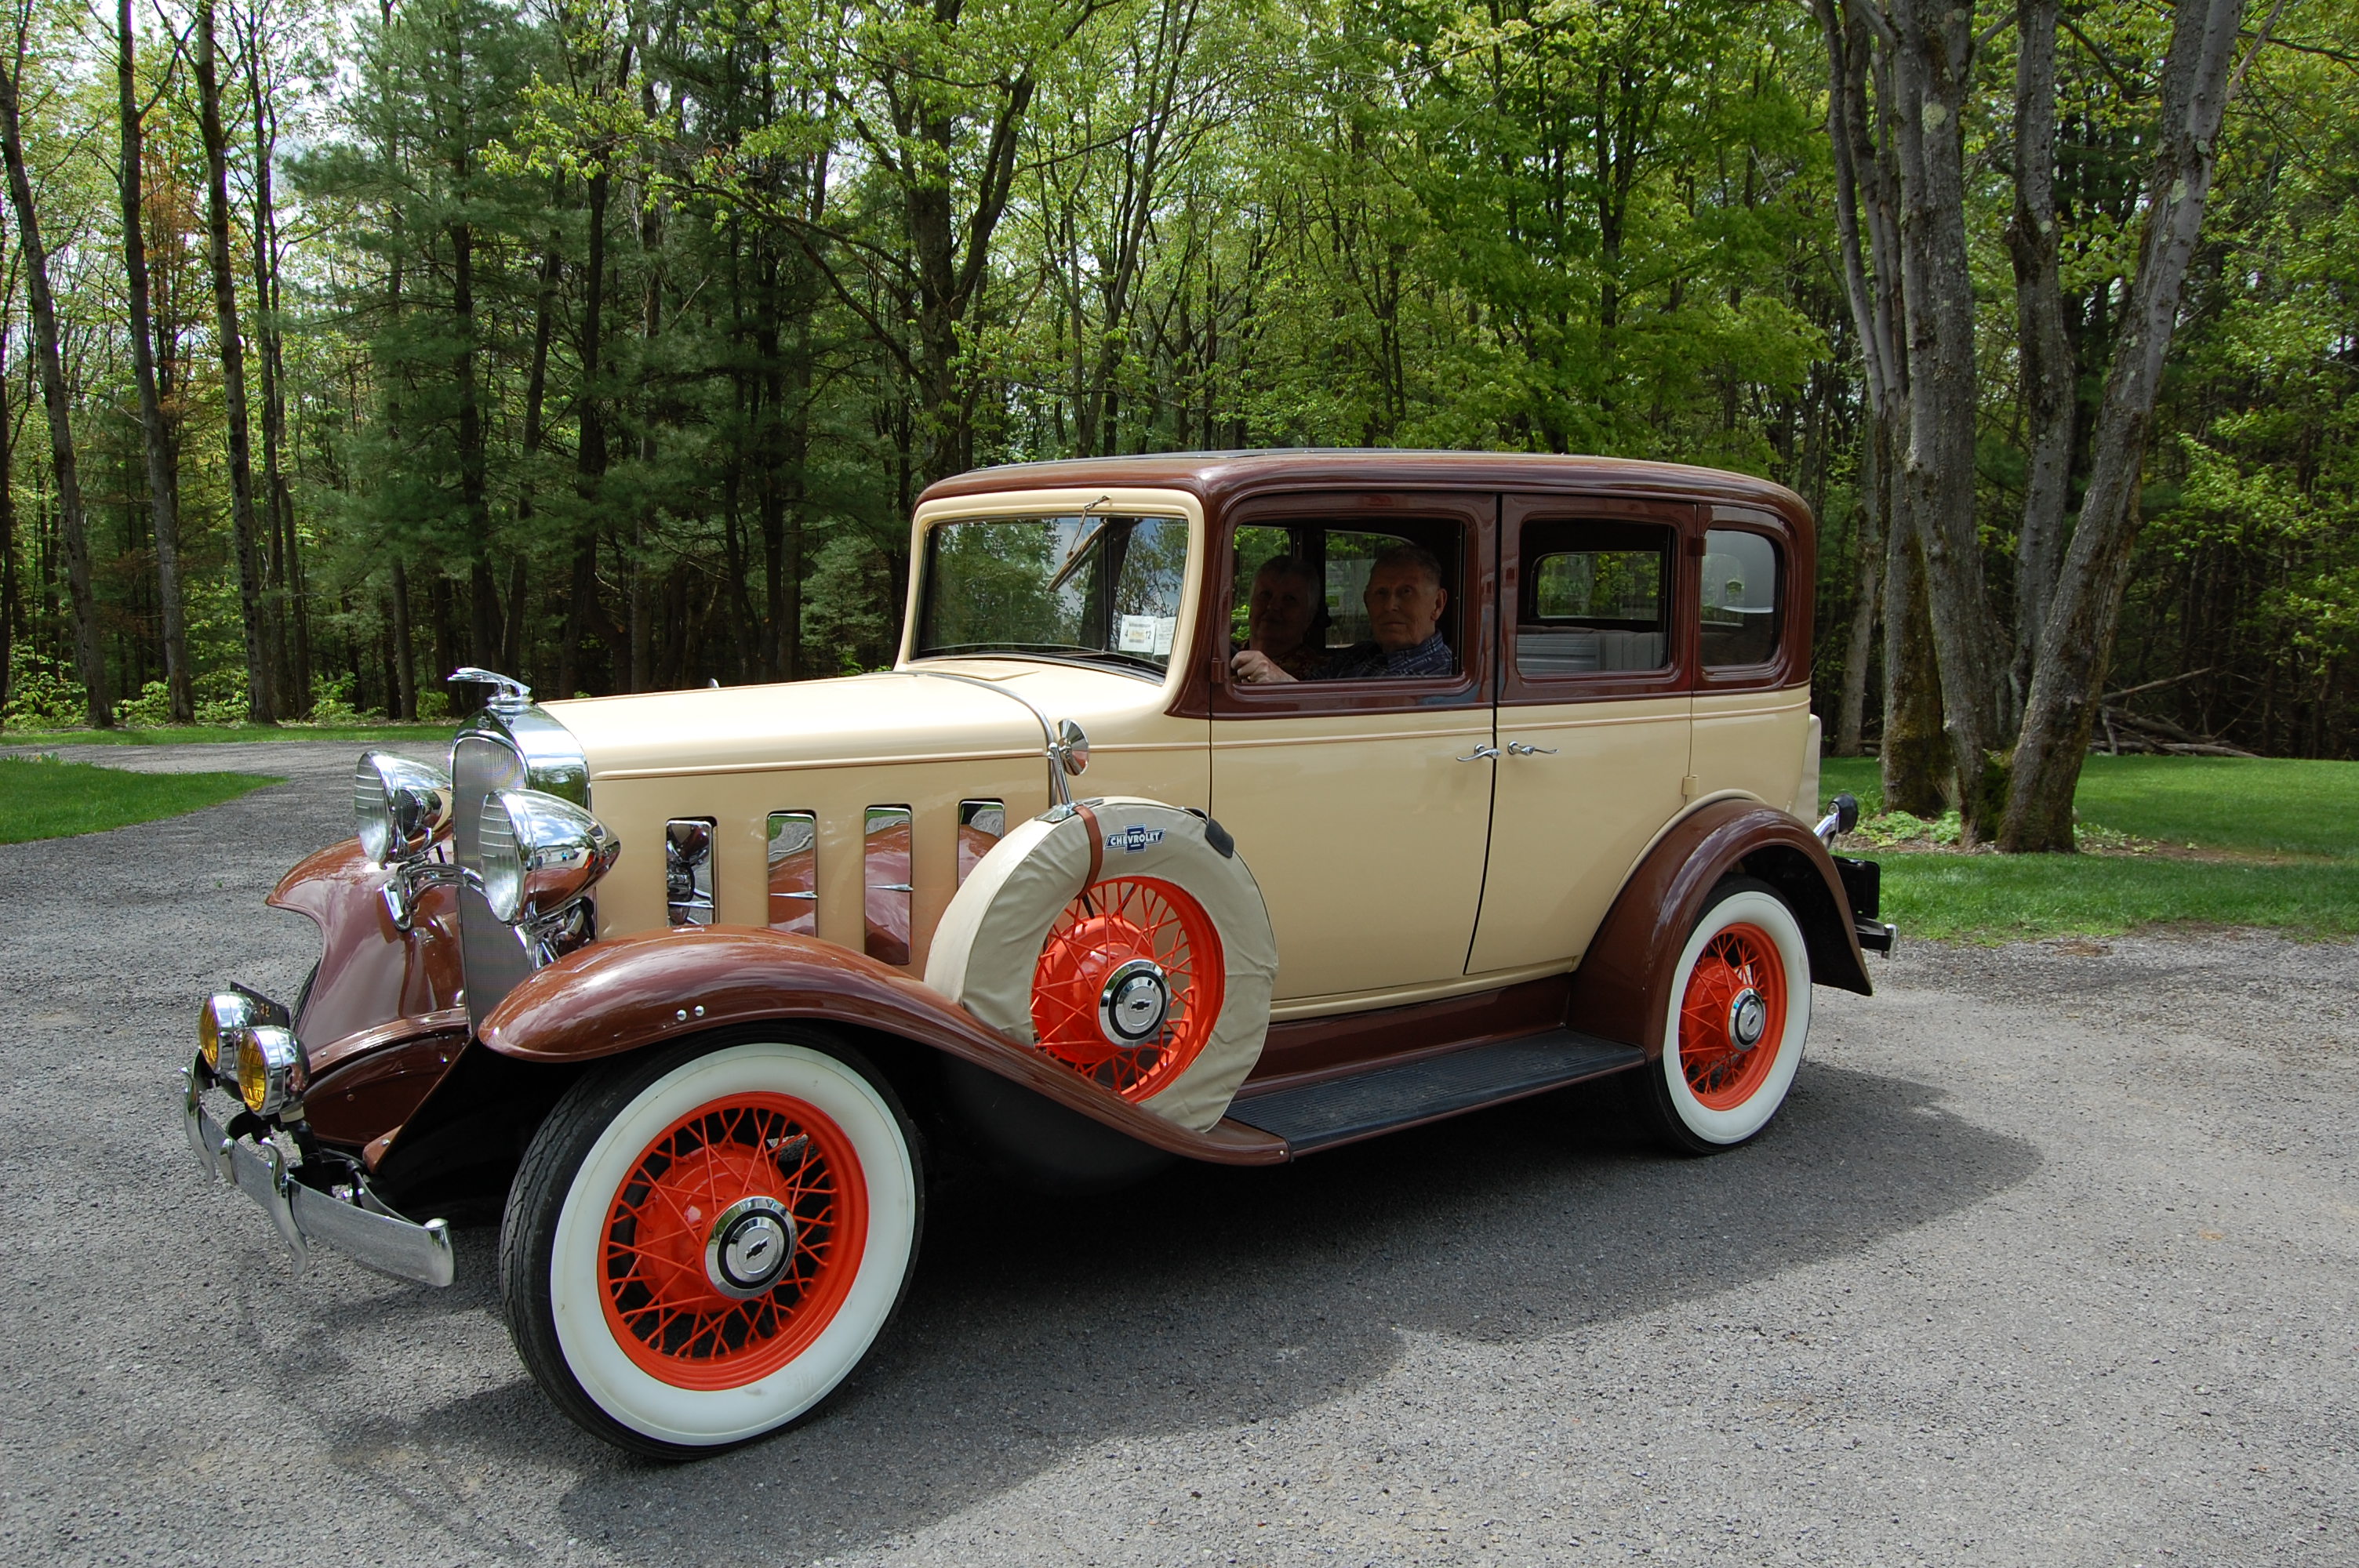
<point x="219" y="1021"/>
<point x="539" y="854"/>
<point x="398" y="806"/>
<point x="267" y="1056"/>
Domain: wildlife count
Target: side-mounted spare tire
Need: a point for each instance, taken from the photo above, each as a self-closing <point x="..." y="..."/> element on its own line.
<point x="1125" y="939"/>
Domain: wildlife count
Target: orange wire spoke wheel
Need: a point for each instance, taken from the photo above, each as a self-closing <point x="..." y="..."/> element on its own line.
<point x="1129" y="987"/>
<point x="1733" y="1017"/>
<point x="733" y="1241"/>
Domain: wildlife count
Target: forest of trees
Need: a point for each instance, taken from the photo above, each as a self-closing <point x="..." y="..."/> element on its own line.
<point x="609" y="341"/>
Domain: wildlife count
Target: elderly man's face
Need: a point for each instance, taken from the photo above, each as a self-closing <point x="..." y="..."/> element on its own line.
<point x="1404" y="606"/>
<point x="1277" y="617"/>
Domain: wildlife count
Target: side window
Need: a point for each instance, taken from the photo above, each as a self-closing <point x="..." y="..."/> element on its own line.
<point x="1742" y="599"/>
<point x="1595" y="598"/>
<point x="1322" y="603"/>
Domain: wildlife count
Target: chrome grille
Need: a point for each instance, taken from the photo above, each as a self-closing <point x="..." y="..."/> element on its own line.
<point x="480" y="766"/>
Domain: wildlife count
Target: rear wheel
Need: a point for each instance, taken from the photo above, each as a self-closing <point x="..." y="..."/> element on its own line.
<point x="1740" y="1013"/>
<point x="700" y="1248"/>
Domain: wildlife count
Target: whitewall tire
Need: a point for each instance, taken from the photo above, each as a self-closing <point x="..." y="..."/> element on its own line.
<point x="1738" y="1018"/>
<point x="700" y="1247"/>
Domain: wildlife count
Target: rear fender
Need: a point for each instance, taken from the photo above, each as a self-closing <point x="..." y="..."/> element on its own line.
<point x="631" y="993"/>
<point x="1621" y="989"/>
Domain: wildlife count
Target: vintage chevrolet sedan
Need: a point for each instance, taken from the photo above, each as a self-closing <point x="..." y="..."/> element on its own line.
<point x="1416" y="782"/>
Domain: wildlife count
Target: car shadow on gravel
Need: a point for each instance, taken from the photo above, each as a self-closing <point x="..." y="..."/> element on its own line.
<point x="1211" y="1299"/>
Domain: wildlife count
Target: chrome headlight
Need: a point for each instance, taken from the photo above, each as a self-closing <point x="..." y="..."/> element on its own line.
<point x="539" y="854"/>
<point x="267" y="1056"/>
<point x="398" y="806"/>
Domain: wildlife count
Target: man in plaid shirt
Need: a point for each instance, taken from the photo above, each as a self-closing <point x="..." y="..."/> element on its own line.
<point x="1404" y="599"/>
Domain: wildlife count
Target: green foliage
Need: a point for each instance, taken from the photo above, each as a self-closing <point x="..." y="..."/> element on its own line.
<point x="2298" y="820"/>
<point x="2243" y="805"/>
<point x="843" y="249"/>
<point x="1890" y="828"/>
<point x="46" y="797"/>
<point x="42" y="693"/>
<point x="2014" y="898"/>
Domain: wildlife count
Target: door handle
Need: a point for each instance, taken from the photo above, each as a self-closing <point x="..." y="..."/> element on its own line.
<point x="1479" y="754"/>
<point x="1517" y="748"/>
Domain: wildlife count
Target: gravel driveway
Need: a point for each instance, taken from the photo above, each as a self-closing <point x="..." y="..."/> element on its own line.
<point x="2052" y="1259"/>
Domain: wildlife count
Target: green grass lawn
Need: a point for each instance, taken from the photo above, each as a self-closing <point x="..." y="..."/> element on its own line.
<point x="2298" y="820"/>
<point x="208" y="734"/>
<point x="43" y="798"/>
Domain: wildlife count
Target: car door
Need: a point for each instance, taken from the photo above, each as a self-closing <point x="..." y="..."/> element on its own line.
<point x="1361" y="804"/>
<point x="1593" y="715"/>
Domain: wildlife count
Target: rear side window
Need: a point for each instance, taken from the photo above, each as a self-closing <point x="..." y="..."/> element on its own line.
<point x="1742" y="599"/>
<point x="1595" y="598"/>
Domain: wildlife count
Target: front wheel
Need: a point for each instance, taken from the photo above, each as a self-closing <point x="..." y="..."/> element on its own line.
<point x="700" y="1247"/>
<point x="1740" y="1011"/>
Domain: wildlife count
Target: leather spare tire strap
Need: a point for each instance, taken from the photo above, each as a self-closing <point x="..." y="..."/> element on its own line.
<point x="1097" y="845"/>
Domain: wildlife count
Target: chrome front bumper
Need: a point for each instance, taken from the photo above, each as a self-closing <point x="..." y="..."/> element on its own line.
<point x="364" y="1230"/>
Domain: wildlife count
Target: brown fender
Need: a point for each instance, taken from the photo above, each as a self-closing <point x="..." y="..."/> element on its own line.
<point x="370" y="972"/>
<point x="627" y="992"/>
<point x="1622" y="990"/>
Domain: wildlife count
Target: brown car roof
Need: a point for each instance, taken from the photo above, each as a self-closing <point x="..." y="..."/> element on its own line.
<point x="1216" y="476"/>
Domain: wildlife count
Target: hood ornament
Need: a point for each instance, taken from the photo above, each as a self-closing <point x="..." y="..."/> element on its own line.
<point x="511" y="695"/>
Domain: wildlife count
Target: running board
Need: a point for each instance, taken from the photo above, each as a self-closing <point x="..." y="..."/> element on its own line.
<point x="1341" y="1110"/>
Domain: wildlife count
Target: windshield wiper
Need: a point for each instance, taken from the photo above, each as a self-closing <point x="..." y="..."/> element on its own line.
<point x="1081" y="552"/>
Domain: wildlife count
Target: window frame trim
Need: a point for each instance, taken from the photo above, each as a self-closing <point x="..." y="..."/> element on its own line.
<point x="1776" y="672"/>
<point x="1682" y="518"/>
<point x="1475" y="513"/>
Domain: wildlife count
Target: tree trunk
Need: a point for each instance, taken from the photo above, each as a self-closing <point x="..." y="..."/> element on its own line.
<point x="590" y="457"/>
<point x="1874" y="505"/>
<point x="11" y="604"/>
<point x="2050" y="377"/>
<point x="405" y="652"/>
<point x="535" y="389"/>
<point x="1932" y="81"/>
<point x="644" y="585"/>
<point x="1867" y="195"/>
<point x="2076" y="642"/>
<point x="73" y="541"/>
<point x="1915" y="754"/>
<point x="162" y="494"/>
<point x="948" y="283"/>
<point x="483" y="591"/>
<point x="278" y="502"/>
<point x="262" y="707"/>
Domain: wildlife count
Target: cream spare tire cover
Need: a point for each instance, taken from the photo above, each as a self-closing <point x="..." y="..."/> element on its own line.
<point x="1023" y="949"/>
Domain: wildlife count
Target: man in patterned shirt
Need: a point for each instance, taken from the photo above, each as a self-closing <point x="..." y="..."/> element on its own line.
<point x="1404" y="599"/>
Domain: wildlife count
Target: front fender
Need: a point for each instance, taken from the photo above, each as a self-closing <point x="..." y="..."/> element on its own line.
<point x="371" y="973"/>
<point x="1621" y="989"/>
<point x="626" y="993"/>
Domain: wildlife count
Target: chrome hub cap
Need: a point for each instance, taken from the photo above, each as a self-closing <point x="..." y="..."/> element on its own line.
<point x="1748" y="1018"/>
<point x="1134" y="1003"/>
<point x="749" y="1247"/>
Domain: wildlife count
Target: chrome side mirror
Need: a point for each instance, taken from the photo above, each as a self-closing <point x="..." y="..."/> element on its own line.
<point x="1071" y="749"/>
<point x="1841" y="818"/>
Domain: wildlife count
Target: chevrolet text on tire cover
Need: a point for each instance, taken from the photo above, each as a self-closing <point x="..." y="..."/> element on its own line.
<point x="1224" y="807"/>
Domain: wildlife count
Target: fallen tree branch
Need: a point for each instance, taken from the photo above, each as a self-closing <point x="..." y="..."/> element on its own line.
<point x="2154" y="685"/>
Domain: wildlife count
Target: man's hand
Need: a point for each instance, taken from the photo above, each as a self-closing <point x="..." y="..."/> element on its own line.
<point x="1254" y="667"/>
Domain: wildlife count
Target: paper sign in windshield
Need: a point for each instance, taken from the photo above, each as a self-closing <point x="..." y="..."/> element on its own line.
<point x="1149" y="634"/>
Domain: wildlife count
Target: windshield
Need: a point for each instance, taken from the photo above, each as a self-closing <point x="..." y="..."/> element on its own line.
<point x="1094" y="587"/>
